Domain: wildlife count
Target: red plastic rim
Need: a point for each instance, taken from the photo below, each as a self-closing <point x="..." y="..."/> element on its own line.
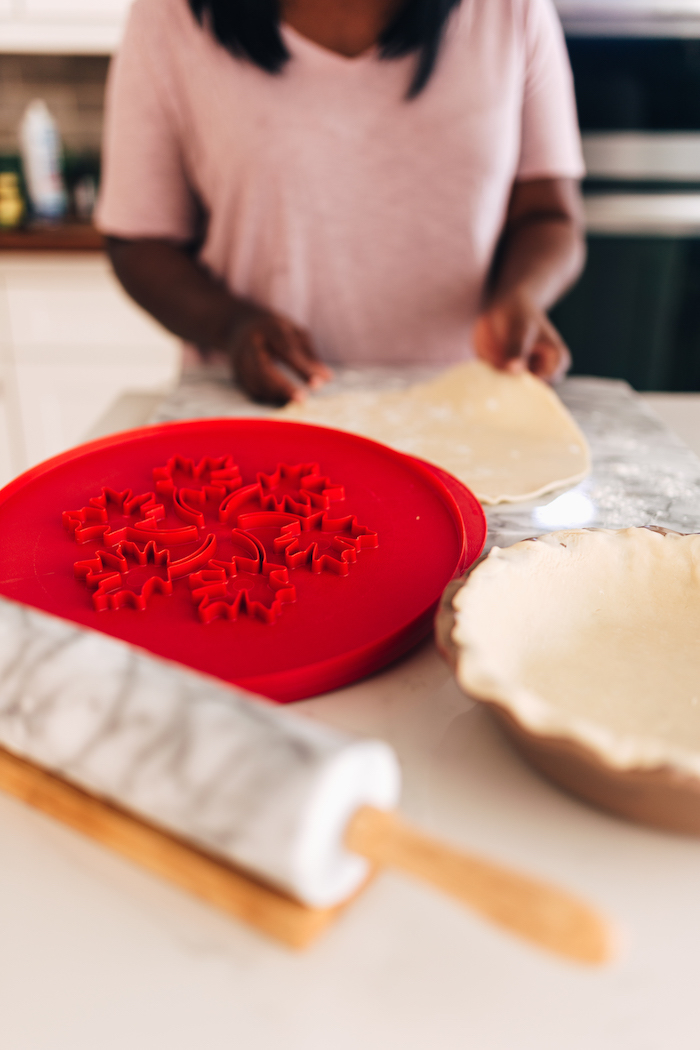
<point x="342" y="546"/>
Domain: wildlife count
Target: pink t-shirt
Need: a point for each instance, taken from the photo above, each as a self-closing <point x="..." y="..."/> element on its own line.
<point x="321" y="192"/>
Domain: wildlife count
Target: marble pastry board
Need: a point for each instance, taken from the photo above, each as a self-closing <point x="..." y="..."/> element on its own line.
<point x="354" y="545"/>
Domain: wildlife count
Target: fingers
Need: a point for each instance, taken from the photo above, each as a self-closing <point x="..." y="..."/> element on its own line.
<point x="550" y="361"/>
<point x="257" y="375"/>
<point x="515" y="336"/>
<point x="293" y="346"/>
<point x="549" y="357"/>
<point x="504" y="338"/>
<point x="261" y="340"/>
<point x="487" y="345"/>
<point x="519" y="339"/>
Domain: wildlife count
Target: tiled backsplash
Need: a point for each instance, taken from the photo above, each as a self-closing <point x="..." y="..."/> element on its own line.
<point x="71" y="85"/>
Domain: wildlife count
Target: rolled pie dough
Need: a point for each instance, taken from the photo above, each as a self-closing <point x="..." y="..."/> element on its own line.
<point x="591" y="635"/>
<point x="507" y="437"/>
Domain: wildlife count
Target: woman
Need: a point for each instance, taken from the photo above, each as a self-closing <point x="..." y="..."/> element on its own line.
<point x="353" y="181"/>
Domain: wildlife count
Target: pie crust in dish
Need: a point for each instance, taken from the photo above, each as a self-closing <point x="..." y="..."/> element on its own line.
<point x="507" y="437"/>
<point x="586" y="644"/>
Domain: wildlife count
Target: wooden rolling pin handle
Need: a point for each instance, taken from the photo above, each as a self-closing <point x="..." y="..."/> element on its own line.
<point x="538" y="912"/>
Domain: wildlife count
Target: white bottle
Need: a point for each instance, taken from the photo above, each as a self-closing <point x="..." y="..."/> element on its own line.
<point x="40" y="143"/>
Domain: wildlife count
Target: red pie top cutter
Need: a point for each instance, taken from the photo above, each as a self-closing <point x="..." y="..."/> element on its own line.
<point x="286" y="558"/>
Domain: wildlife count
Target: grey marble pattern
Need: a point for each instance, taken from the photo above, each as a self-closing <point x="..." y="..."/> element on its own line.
<point x="642" y="474"/>
<point x="205" y="390"/>
<point x="202" y="759"/>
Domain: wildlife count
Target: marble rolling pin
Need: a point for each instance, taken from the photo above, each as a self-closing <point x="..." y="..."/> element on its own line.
<point x="230" y="797"/>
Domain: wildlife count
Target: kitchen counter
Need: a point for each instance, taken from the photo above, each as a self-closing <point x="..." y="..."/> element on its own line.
<point x="97" y="953"/>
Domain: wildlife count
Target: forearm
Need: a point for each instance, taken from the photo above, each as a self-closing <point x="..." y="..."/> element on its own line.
<point x="540" y="254"/>
<point x="167" y="282"/>
<point x="540" y="258"/>
<point x="542" y="248"/>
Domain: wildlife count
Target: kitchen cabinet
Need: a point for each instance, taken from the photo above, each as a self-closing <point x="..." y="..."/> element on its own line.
<point x="633" y="315"/>
<point x="62" y="26"/>
<point x="71" y="343"/>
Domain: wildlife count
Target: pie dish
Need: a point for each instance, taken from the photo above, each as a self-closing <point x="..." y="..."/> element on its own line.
<point x="586" y="646"/>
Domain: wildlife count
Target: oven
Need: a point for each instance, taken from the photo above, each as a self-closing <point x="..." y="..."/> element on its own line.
<point x="635" y="313"/>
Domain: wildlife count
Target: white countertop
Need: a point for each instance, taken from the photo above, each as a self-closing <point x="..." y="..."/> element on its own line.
<point x="98" y="955"/>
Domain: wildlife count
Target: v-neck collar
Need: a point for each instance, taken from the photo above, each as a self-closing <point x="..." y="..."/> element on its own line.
<point x="302" y="42"/>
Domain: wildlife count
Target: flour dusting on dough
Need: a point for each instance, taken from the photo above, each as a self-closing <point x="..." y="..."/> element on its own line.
<point x="507" y="437"/>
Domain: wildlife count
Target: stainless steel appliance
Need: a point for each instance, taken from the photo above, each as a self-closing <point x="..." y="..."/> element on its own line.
<point x="636" y="311"/>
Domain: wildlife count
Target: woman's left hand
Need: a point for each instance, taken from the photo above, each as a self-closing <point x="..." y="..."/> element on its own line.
<point x="513" y="334"/>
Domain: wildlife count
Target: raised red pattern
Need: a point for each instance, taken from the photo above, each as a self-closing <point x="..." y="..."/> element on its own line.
<point x="247" y="541"/>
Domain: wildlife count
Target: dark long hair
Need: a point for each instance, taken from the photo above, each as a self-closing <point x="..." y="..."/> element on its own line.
<point x="251" y="29"/>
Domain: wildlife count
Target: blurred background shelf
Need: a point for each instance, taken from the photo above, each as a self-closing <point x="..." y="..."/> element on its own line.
<point x="64" y="237"/>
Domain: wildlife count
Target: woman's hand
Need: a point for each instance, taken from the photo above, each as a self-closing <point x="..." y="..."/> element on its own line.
<point x="258" y="342"/>
<point x="166" y="280"/>
<point x="540" y="254"/>
<point x="514" y="334"/>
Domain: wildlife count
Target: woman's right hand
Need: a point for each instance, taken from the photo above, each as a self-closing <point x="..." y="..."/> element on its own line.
<point x="513" y="334"/>
<point x="166" y="280"/>
<point x="258" y="342"/>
